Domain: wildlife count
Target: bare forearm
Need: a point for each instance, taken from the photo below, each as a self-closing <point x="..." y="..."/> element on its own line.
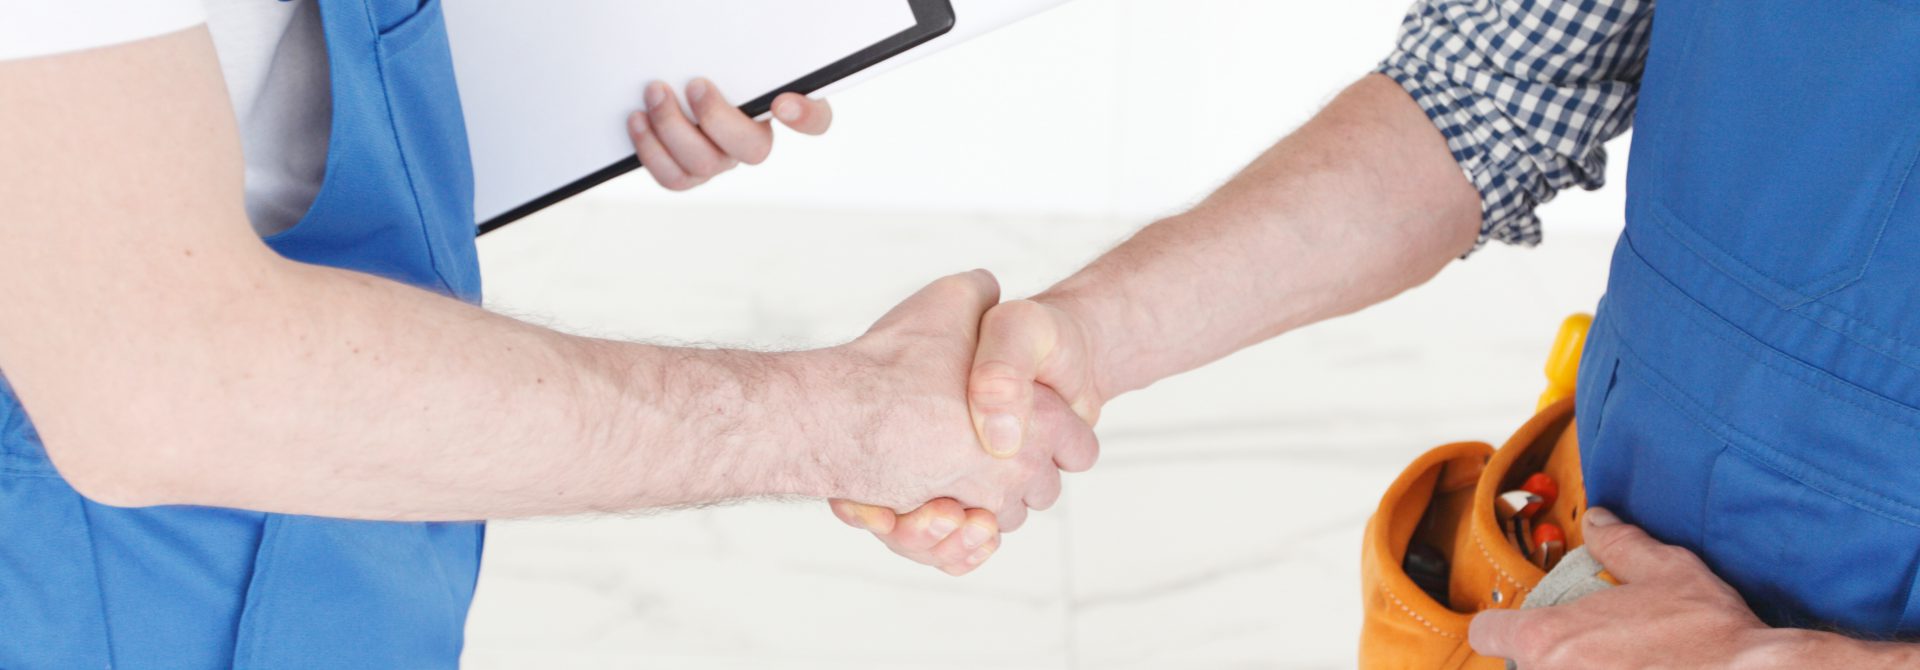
<point x="321" y="391"/>
<point x="167" y="356"/>
<point x="1361" y="203"/>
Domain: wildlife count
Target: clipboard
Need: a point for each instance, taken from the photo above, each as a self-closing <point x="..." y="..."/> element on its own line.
<point x="486" y="57"/>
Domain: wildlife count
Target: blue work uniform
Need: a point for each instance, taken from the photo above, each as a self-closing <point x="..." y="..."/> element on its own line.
<point x="83" y="585"/>
<point x="1751" y="387"/>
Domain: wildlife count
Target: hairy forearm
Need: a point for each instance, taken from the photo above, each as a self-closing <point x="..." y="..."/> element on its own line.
<point x="1358" y="205"/>
<point x="166" y="355"/>
<point x="320" y="391"/>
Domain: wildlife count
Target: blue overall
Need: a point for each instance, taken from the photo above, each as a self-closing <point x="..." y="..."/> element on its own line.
<point x="84" y="585"/>
<point x="1751" y="387"/>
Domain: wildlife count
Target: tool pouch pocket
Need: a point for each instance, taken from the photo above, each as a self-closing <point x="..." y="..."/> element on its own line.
<point x="1444" y="505"/>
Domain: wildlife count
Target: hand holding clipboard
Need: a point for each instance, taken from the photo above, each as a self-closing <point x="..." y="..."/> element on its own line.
<point x="682" y="151"/>
<point x="547" y="87"/>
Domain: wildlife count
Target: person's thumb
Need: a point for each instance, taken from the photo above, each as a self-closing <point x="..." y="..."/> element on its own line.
<point x="1627" y="552"/>
<point x="1015" y="340"/>
<point x="1499" y="633"/>
<point x="804" y="114"/>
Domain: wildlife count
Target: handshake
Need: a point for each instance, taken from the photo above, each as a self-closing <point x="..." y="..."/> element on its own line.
<point x="952" y="417"/>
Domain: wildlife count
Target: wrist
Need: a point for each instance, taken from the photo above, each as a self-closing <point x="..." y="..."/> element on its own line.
<point x="1773" y="648"/>
<point x="1080" y="320"/>
<point x="696" y="426"/>
<point x="834" y="414"/>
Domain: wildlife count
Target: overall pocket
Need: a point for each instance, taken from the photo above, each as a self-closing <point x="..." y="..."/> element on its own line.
<point x="1810" y="555"/>
<point x="1780" y="151"/>
<point x="1649" y="459"/>
<point x="335" y="593"/>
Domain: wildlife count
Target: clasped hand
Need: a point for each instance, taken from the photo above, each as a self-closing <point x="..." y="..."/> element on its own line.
<point x="949" y="356"/>
<point x="1007" y="399"/>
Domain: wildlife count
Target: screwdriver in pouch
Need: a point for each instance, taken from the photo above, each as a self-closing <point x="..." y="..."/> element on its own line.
<point x="1511" y="508"/>
<point x="1550" y="543"/>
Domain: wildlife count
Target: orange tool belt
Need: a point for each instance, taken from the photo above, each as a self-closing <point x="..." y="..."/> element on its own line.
<point x="1444" y="507"/>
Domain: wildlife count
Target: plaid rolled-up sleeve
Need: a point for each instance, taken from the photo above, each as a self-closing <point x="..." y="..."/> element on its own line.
<point x="1526" y="93"/>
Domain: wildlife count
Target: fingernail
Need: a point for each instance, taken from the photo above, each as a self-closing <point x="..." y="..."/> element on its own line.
<point x="1598" y="517"/>
<point x="787" y="110"/>
<point x="637" y="121"/>
<point x="1003" y="434"/>
<point x="942" y="526"/>
<point x="656" y="94"/>
<point x="980" y="556"/>
<point x="697" y="90"/>
<point x="869" y="517"/>
<point x="975" y="535"/>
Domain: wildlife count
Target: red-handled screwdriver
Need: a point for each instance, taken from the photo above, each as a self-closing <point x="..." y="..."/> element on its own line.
<point x="1511" y="510"/>
<point x="1551" y="543"/>
<point x="1541" y="485"/>
<point x="1544" y="492"/>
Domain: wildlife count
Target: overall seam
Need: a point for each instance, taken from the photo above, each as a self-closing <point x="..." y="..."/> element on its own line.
<point x="400" y="150"/>
<point x="99" y="588"/>
<point x="1754" y="342"/>
<point x="1746" y="444"/>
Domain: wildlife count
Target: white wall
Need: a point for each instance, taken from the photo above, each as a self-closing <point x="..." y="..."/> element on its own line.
<point x="1101" y="108"/>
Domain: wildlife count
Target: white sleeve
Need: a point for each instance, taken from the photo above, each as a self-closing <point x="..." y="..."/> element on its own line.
<point x="42" y="27"/>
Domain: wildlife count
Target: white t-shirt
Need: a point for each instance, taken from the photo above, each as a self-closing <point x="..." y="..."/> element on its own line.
<point x="274" y="57"/>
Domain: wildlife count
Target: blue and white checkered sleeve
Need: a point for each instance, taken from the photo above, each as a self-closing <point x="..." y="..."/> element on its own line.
<point x="1526" y="92"/>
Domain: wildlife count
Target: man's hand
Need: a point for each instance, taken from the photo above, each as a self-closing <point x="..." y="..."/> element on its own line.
<point x="908" y="377"/>
<point x="943" y="533"/>
<point x="1023" y="342"/>
<point x="1029" y="349"/>
<point x="682" y="153"/>
<point x="1670" y="611"/>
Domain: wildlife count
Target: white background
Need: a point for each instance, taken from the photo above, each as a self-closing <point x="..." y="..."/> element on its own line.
<point x="1221" y="528"/>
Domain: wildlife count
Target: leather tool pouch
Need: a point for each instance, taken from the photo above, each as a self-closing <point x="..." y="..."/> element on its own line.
<point x="1444" y="501"/>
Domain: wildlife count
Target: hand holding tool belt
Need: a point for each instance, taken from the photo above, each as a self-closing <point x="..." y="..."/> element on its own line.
<point x="1440" y="549"/>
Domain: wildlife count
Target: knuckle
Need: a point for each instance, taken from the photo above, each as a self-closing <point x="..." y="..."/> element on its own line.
<point x="1672" y="556"/>
<point x="1014" y="312"/>
<point x="997" y="383"/>
<point x="919" y="541"/>
<point x="758" y="153"/>
<point x="706" y="167"/>
<point x="752" y="146"/>
<point x="1043" y="501"/>
<point x="1611" y="544"/>
<point x="1036" y="468"/>
<point x="952" y="284"/>
<point x="948" y="509"/>
<point x="713" y="104"/>
<point x="665" y="117"/>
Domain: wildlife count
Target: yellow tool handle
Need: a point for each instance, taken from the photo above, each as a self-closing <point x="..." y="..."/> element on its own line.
<point x="1563" y="363"/>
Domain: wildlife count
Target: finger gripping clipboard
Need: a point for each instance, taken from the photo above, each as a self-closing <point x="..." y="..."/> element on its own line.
<point x="546" y="87"/>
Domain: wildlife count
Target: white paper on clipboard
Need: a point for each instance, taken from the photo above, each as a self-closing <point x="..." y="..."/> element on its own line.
<point x="546" y="87"/>
<point x="972" y="18"/>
